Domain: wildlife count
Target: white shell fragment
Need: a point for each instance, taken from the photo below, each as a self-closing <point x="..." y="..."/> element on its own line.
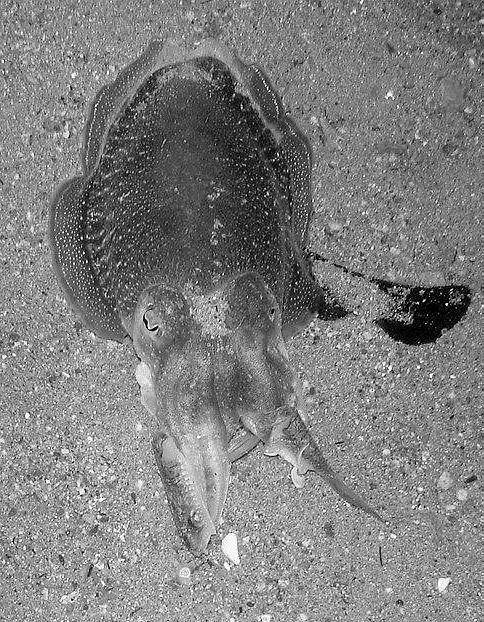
<point x="297" y="479"/>
<point x="443" y="584"/>
<point x="184" y="575"/>
<point x="230" y="548"/>
<point x="445" y="481"/>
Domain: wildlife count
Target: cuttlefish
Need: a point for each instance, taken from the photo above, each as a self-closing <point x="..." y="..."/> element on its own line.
<point x="187" y="232"/>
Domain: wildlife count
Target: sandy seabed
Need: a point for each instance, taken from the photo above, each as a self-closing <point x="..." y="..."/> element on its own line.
<point x="390" y="96"/>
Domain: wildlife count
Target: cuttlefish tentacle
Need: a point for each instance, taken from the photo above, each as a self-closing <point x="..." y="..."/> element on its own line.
<point x="291" y="440"/>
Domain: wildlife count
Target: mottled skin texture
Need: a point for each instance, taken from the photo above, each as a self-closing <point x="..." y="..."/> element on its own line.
<point x="187" y="231"/>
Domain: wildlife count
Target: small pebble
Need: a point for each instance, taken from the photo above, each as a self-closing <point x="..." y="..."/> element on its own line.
<point x="260" y="586"/>
<point x="334" y="226"/>
<point x="442" y="584"/>
<point x="386" y="452"/>
<point x="445" y="481"/>
<point x="265" y="617"/>
<point x="184" y="575"/>
<point x="461" y="494"/>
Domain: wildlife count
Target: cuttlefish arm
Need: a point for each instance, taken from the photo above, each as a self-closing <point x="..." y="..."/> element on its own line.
<point x="266" y="389"/>
<point x="241" y="445"/>
<point x="195" y="487"/>
<point x="179" y="474"/>
<point x="191" y="453"/>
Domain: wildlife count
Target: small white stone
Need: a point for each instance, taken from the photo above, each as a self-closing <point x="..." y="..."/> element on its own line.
<point x="265" y="617"/>
<point x="445" y="481"/>
<point x="230" y="548"/>
<point x="442" y="584"/>
<point x="66" y="599"/>
<point x="461" y="494"/>
<point x="386" y="452"/>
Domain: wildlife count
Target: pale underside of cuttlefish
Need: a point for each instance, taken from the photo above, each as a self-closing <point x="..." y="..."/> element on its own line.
<point x="187" y="231"/>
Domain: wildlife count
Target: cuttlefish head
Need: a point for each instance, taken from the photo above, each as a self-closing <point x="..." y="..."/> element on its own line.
<point x="209" y="362"/>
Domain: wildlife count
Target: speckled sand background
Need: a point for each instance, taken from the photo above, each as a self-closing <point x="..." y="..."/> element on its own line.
<point x="390" y="95"/>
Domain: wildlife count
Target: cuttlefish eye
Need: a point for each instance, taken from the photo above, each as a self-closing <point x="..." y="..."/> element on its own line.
<point x="161" y="322"/>
<point x="150" y="321"/>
